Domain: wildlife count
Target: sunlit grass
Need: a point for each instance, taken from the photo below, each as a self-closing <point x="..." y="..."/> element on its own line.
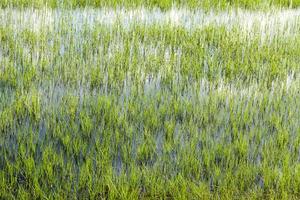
<point x="146" y="104"/>
<point x="162" y="4"/>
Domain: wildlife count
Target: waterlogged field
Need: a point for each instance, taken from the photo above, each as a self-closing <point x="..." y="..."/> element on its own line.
<point x="140" y="103"/>
<point x="162" y="4"/>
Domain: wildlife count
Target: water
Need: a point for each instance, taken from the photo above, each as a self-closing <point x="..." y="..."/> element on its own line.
<point x="268" y="23"/>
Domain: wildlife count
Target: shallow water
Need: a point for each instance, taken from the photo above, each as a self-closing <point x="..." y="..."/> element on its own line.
<point x="284" y="22"/>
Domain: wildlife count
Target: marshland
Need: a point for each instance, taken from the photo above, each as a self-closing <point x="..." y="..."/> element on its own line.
<point x="149" y="99"/>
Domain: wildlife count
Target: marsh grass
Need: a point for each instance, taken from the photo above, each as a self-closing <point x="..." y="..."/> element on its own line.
<point x="162" y="4"/>
<point x="133" y="109"/>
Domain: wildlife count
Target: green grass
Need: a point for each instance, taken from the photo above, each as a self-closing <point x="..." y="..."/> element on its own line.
<point x="163" y="4"/>
<point x="157" y="111"/>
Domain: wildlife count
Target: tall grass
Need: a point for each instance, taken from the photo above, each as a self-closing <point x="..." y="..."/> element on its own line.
<point x="162" y="4"/>
<point x="121" y="105"/>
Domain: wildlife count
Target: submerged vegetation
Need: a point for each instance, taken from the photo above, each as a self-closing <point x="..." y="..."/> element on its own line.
<point x="149" y="104"/>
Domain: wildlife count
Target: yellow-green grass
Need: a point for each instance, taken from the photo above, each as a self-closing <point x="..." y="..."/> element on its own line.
<point x="93" y="109"/>
<point x="163" y="4"/>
